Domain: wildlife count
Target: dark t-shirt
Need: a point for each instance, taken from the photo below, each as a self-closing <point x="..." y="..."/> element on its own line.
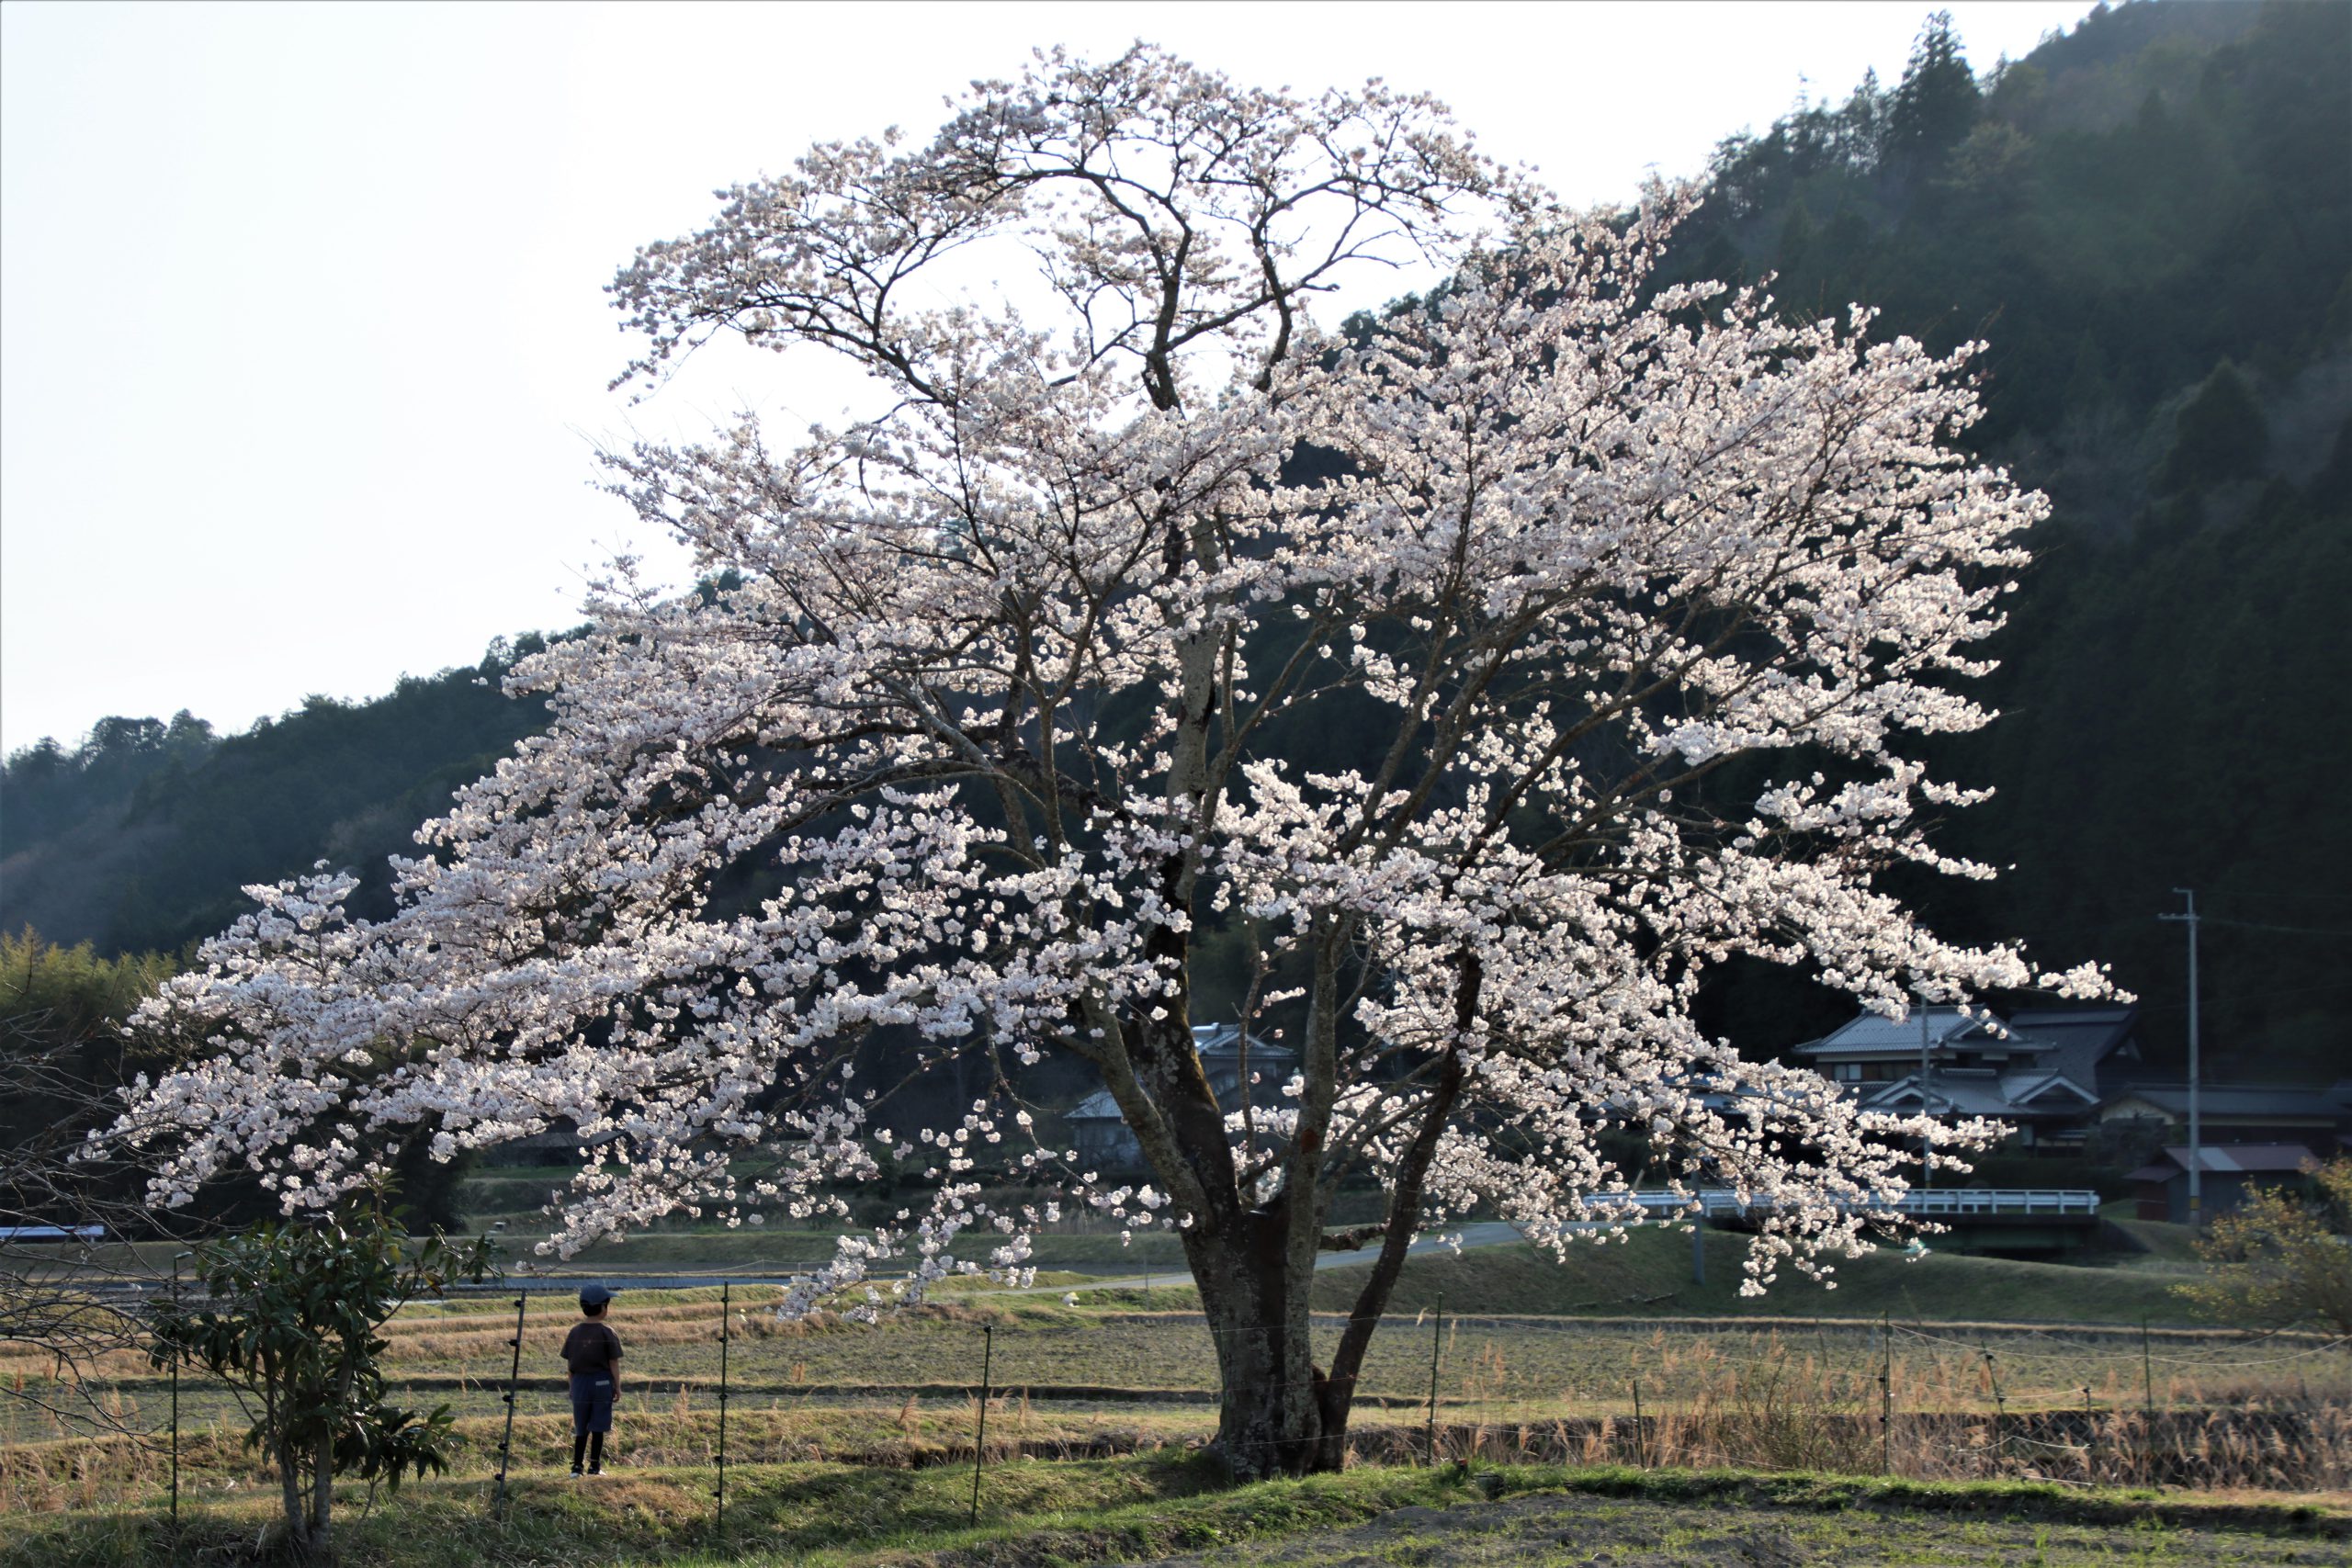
<point x="591" y="1347"/>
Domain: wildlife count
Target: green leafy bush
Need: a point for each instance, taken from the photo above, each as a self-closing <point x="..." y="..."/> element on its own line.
<point x="292" y="1314"/>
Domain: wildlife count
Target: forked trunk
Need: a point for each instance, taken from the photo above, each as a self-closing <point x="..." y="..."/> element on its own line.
<point x="1281" y="1414"/>
<point x="1278" y="1414"/>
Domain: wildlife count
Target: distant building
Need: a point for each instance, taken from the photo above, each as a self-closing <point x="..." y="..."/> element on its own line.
<point x="2229" y="1171"/>
<point x="558" y="1144"/>
<point x="2308" y="1114"/>
<point x="1100" y="1135"/>
<point x="2057" y="1074"/>
<point x="2046" y="1071"/>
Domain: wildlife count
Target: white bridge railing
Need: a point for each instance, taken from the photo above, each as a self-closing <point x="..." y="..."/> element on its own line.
<point x="1932" y="1202"/>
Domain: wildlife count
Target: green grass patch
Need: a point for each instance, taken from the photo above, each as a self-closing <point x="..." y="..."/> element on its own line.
<point x="1649" y="1272"/>
<point x="2161" y="1243"/>
<point x="2033" y="1500"/>
<point x="1037" y="1514"/>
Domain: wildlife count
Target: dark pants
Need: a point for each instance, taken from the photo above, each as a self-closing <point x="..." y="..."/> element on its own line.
<point x="592" y="1402"/>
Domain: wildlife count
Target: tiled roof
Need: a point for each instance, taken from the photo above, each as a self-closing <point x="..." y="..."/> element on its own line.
<point x="1217" y="1045"/>
<point x="2074" y="1041"/>
<point x="1097" y="1107"/>
<point x="1870" y="1034"/>
<point x="2025" y="1085"/>
<point x="1983" y="1092"/>
<point x="2077" y="1041"/>
<point x="1222" y="1042"/>
<point x="2295" y="1103"/>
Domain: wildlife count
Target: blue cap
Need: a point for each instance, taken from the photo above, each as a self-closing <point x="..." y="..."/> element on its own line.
<point x="594" y="1295"/>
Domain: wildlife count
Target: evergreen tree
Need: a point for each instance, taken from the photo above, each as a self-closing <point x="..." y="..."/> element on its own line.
<point x="1860" y="125"/>
<point x="1935" y="104"/>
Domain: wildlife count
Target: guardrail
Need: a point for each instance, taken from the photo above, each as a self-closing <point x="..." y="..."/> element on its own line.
<point x="1929" y="1202"/>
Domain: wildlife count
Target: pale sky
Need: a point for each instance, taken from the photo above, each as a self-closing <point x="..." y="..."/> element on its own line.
<point x="303" y="348"/>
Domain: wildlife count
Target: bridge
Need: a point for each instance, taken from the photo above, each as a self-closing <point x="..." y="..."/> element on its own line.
<point x="1921" y="1202"/>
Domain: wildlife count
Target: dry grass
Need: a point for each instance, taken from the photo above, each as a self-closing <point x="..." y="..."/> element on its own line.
<point x="2073" y="1403"/>
<point x="1930" y="1421"/>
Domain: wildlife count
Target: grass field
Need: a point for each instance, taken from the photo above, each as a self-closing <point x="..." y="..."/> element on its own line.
<point x="1142" y="1507"/>
<point x="1103" y="1375"/>
<point x="1649" y="1272"/>
<point x="1500" y="1348"/>
<point x="1945" y="1367"/>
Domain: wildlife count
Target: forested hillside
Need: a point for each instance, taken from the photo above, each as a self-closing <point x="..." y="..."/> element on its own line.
<point x="140" y="837"/>
<point x="2151" y="221"/>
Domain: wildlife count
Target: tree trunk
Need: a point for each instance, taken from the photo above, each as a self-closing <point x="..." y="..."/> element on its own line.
<point x="321" y="1495"/>
<point x="1278" y="1414"/>
<point x="289" y="1480"/>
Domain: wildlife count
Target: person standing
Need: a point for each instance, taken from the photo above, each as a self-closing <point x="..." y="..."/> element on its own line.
<point x="592" y="1351"/>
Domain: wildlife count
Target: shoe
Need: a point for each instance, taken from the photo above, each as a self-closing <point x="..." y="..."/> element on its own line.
<point x="575" y="1473"/>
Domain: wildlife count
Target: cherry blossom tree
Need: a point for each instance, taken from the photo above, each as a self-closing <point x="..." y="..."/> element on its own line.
<point x="1631" y="598"/>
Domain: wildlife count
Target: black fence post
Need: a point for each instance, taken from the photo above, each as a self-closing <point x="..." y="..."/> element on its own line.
<point x="2091" y="1438"/>
<point x="507" y="1443"/>
<point x="1886" y="1393"/>
<point x="980" y="1441"/>
<point x="176" y="1410"/>
<point x="2000" y="1405"/>
<point x="725" y="1325"/>
<point x="1641" y="1443"/>
<point x="1437" y="1341"/>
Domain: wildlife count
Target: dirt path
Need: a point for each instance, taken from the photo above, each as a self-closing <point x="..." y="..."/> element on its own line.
<point x="1555" y="1531"/>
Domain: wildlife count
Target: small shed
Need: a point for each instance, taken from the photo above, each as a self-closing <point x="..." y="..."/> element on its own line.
<point x="2230" y="1171"/>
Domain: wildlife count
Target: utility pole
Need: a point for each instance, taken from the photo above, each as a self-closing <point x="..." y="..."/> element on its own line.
<point x="2196" y="1145"/>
